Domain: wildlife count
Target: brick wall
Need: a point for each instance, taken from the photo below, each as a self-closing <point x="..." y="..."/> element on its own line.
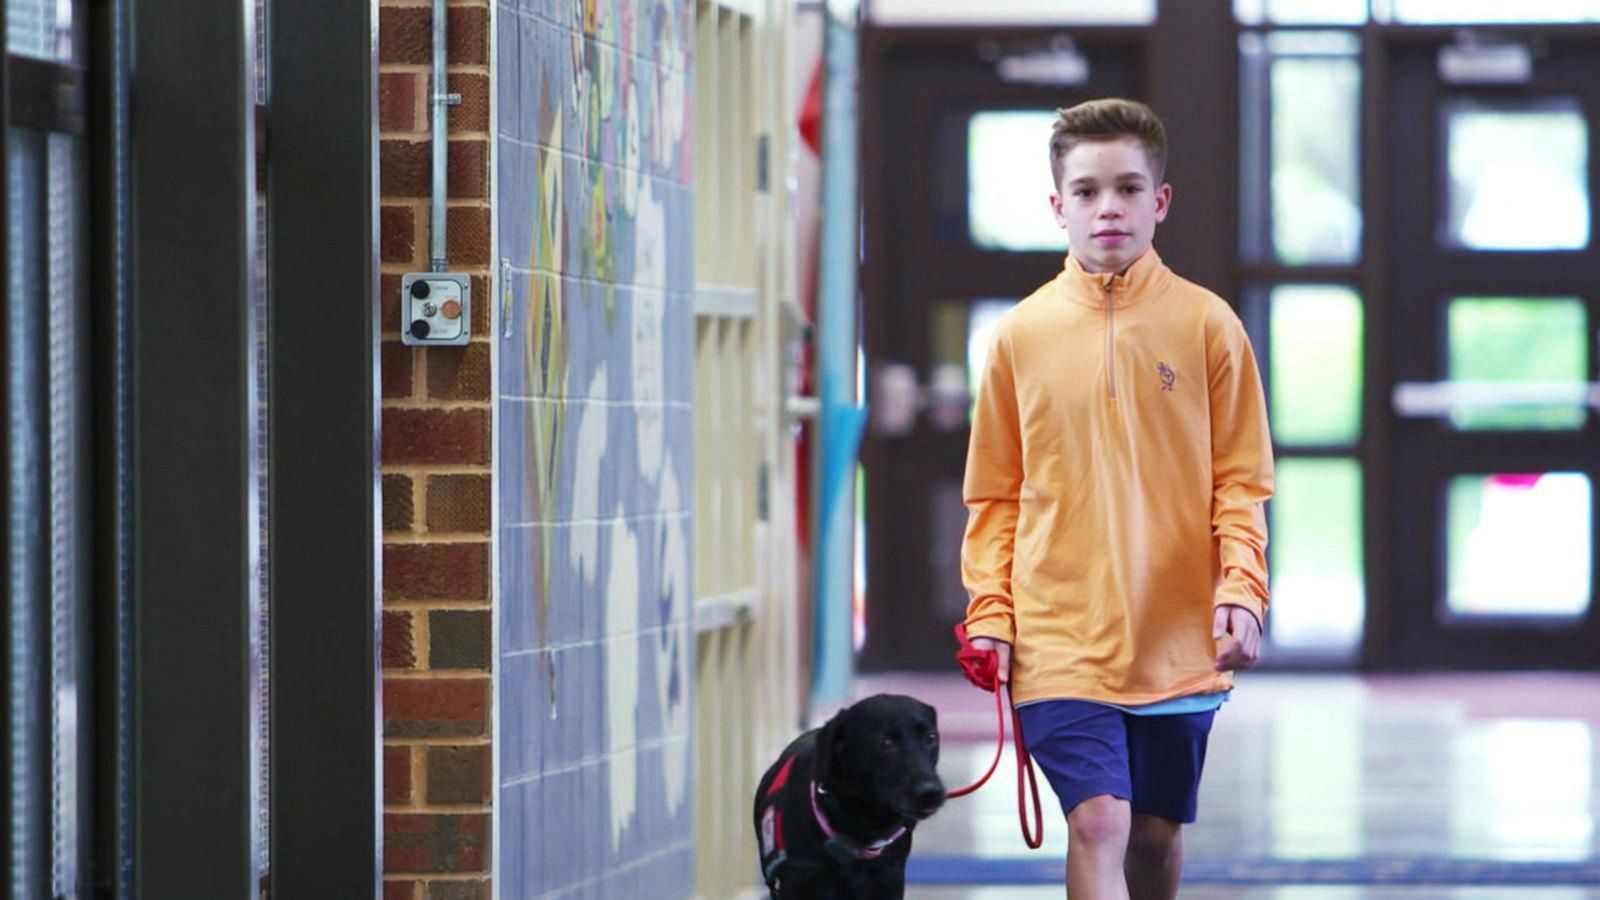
<point x="436" y="475"/>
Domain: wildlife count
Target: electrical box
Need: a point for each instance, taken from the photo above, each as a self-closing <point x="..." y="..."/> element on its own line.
<point x="435" y="309"/>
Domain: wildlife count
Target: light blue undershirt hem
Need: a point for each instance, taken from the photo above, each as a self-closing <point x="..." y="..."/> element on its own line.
<point x="1177" y="706"/>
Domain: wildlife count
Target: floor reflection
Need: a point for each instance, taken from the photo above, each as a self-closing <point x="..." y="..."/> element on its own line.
<point x="1435" y="783"/>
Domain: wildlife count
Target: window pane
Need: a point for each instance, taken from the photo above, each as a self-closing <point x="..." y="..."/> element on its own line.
<point x="28" y="577"/>
<point x="1538" y="345"/>
<point x="1318" y="589"/>
<point x="1518" y="175"/>
<point x="1519" y="545"/>
<point x="39" y="28"/>
<point x="1564" y="11"/>
<point x="982" y="317"/>
<point x="1301" y="12"/>
<point x="1316" y="364"/>
<point x="1008" y="181"/>
<point x="961" y="331"/>
<point x="948" y="514"/>
<point x="1012" y="12"/>
<point x="1316" y="204"/>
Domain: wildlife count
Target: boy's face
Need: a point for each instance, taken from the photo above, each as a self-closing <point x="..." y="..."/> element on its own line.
<point x="1109" y="203"/>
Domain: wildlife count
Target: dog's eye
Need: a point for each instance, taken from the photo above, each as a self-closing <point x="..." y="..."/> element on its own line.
<point x="889" y="742"/>
<point x="931" y="739"/>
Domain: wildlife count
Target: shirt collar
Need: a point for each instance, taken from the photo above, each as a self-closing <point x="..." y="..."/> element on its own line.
<point x="1147" y="275"/>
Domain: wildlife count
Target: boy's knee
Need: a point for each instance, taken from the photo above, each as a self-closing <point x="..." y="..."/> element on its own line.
<point x="1152" y="837"/>
<point x="1100" y="820"/>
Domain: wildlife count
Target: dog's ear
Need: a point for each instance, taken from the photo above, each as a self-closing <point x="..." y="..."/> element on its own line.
<point x="830" y="747"/>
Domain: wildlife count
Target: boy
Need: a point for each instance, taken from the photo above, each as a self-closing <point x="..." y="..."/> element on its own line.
<point x="1115" y="546"/>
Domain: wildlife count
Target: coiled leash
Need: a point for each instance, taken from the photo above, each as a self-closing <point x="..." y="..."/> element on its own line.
<point x="982" y="668"/>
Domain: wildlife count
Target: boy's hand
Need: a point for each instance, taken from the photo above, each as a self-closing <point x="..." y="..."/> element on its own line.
<point x="1003" y="673"/>
<point x="1239" y="635"/>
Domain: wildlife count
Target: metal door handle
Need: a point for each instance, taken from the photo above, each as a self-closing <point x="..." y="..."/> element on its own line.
<point x="801" y="406"/>
<point x="898" y="399"/>
<point x="1437" y="399"/>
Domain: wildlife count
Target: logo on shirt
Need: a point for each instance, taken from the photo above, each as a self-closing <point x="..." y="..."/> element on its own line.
<point x="1168" y="377"/>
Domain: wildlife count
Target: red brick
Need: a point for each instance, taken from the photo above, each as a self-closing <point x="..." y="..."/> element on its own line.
<point x="468" y="239"/>
<point x="405" y="168"/>
<point x="458" y="503"/>
<point x="458" y="774"/>
<point x="469" y="36"/>
<point x="399" y="646"/>
<point x="402" y="890"/>
<point x="481" y="301"/>
<point x="389" y="302"/>
<point x="469" y="169"/>
<point x="405" y="35"/>
<point x="420" y="842"/>
<point x="459" y="373"/>
<point x="458" y="639"/>
<point x="397" y="361"/>
<point x="398" y="506"/>
<point x="435" y="436"/>
<point x="423" y="572"/>
<point x="398" y="227"/>
<point x="473" y="112"/>
<point x="458" y="890"/>
<point x="435" y="707"/>
<point x="397" y="775"/>
<point x="398" y="101"/>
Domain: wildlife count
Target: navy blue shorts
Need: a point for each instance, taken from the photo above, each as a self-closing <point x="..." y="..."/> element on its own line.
<point x="1087" y="749"/>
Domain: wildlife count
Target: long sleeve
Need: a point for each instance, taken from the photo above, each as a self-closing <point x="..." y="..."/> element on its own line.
<point x="1241" y="467"/>
<point x="991" y="489"/>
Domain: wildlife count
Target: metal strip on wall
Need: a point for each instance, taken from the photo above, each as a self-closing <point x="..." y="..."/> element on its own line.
<point x="7" y="504"/>
<point x="28" y="823"/>
<point x="192" y="224"/>
<point x="322" y="209"/>
<point x="111" y="335"/>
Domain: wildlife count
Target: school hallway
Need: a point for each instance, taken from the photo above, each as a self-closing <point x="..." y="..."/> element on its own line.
<point x="454" y="446"/>
<point x="1321" y="787"/>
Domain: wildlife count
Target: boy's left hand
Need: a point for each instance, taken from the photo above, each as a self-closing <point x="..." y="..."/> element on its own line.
<point x="1239" y="635"/>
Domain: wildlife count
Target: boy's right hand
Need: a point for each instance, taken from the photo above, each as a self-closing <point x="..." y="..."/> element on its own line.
<point x="1003" y="650"/>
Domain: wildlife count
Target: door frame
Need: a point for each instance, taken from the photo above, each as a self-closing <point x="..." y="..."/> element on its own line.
<point x="1190" y="48"/>
<point x="1197" y="44"/>
<point x="1403" y="633"/>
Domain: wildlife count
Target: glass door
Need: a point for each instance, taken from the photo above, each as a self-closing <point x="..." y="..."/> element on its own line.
<point x="1490" y="329"/>
<point x="958" y="228"/>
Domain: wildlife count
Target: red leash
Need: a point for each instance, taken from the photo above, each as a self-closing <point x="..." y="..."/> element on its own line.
<point x="982" y="668"/>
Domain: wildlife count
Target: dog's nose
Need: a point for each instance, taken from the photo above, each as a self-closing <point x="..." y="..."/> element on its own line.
<point x="929" y="795"/>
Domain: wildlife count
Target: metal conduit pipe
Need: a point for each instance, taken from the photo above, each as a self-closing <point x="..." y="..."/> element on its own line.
<point x="438" y="259"/>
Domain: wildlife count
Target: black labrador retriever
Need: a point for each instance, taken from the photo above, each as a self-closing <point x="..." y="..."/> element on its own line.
<point x="834" y="814"/>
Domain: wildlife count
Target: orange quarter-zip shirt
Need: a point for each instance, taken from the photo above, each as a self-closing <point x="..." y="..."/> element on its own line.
<point x="1119" y="463"/>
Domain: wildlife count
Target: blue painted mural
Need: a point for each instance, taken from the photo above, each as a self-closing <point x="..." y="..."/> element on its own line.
<point x="596" y="434"/>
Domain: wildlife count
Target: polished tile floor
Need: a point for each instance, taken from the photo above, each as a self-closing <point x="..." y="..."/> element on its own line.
<point x="1323" y="788"/>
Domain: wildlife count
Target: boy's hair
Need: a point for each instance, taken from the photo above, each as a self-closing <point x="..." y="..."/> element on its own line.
<point x="1108" y="120"/>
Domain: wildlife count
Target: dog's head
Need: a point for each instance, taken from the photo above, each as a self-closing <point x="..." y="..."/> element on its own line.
<point x="884" y="750"/>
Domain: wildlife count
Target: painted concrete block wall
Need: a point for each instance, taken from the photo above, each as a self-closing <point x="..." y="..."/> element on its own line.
<point x="595" y="356"/>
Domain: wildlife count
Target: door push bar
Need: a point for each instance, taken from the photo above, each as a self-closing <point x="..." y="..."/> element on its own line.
<point x="897" y="398"/>
<point x="1437" y="399"/>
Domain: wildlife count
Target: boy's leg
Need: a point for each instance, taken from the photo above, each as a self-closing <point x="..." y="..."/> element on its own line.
<point x="1097" y="839"/>
<point x="1082" y="748"/>
<point x="1154" y="863"/>
<point x="1166" y="755"/>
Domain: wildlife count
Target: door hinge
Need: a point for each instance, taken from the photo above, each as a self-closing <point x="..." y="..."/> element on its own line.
<point x="762" y="501"/>
<point x="763" y="162"/>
